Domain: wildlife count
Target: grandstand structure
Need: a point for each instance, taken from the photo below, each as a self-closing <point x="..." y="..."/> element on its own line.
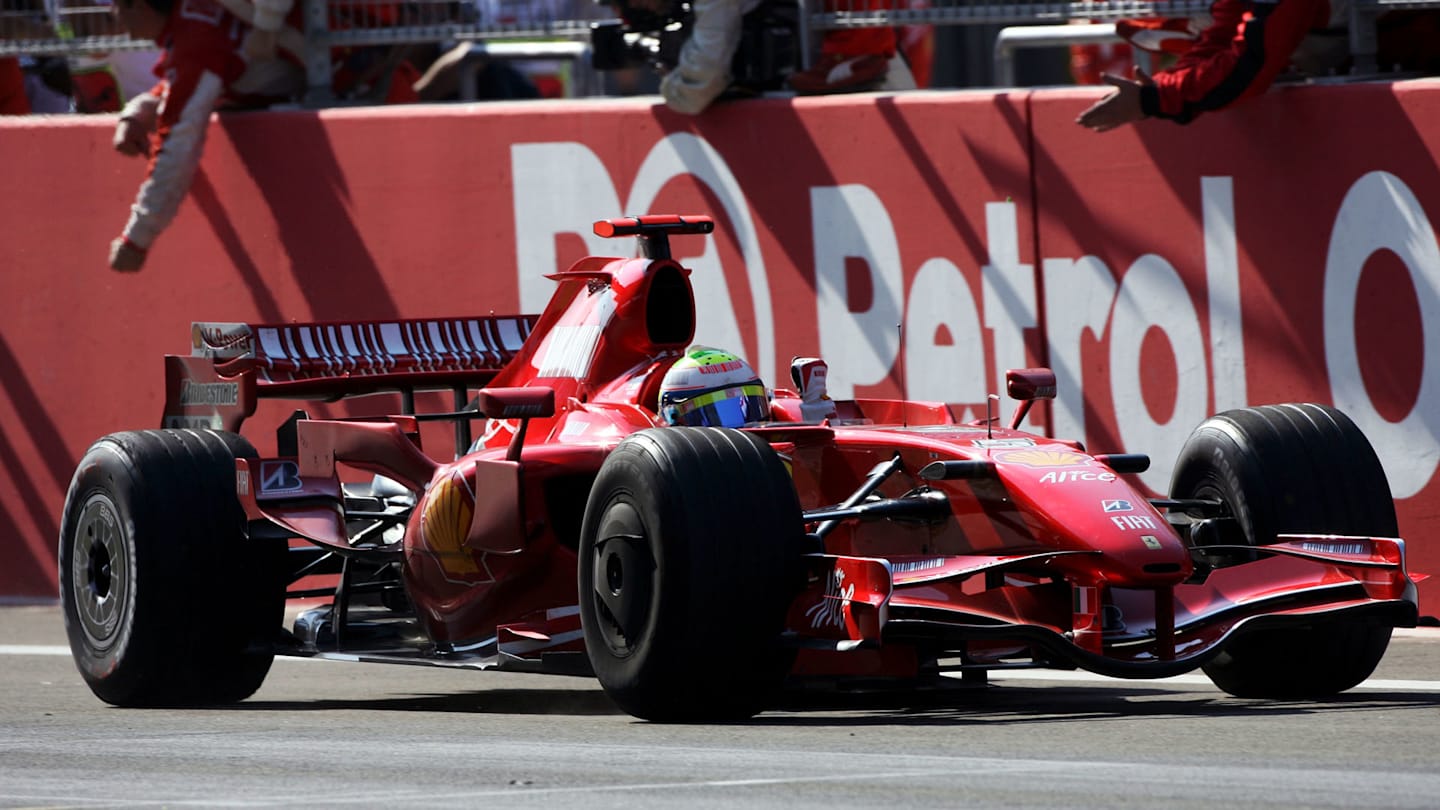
<point x="560" y="29"/>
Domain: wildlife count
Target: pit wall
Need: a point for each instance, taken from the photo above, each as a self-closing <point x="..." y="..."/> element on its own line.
<point x="1283" y="251"/>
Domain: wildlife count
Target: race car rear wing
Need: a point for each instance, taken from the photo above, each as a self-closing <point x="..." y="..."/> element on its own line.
<point x="233" y="365"/>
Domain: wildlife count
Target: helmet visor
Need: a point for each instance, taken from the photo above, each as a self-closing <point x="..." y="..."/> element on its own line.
<point x="727" y="407"/>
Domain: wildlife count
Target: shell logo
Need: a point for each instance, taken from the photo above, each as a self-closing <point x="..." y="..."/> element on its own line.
<point x="445" y="523"/>
<point x="1044" y="458"/>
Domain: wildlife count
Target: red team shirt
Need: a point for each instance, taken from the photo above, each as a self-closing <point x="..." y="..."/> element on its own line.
<point x="200" y="71"/>
<point x="1238" y="56"/>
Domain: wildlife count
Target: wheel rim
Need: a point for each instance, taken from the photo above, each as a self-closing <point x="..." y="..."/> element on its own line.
<point x="100" y="573"/>
<point x="622" y="584"/>
<point x="1225" y="529"/>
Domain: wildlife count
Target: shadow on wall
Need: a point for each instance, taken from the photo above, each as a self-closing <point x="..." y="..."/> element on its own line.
<point x="1278" y="174"/>
<point x="309" y="198"/>
<point x="1306" y="208"/>
<point x="205" y="198"/>
<point x="36" y="531"/>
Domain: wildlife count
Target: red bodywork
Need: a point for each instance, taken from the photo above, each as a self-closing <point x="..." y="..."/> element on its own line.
<point x="1046" y="552"/>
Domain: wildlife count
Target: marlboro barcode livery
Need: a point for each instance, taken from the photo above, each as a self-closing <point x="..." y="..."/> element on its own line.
<point x="696" y="569"/>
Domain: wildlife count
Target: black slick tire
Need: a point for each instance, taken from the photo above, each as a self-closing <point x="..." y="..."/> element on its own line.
<point x="689" y="558"/>
<point x="1287" y="469"/>
<point x="166" y="600"/>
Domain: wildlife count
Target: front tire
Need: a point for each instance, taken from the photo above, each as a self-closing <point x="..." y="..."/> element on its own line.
<point x="689" y="558"/>
<point x="1290" y="469"/>
<point x="166" y="600"/>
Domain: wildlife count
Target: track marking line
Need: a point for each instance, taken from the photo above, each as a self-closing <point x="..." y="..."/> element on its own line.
<point x="999" y="676"/>
<point x="516" y="792"/>
<point x="1189" y="680"/>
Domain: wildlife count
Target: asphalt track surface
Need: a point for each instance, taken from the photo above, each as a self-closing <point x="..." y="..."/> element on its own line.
<point x="329" y="734"/>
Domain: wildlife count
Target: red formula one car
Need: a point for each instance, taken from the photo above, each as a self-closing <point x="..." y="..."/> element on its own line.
<point x="694" y="570"/>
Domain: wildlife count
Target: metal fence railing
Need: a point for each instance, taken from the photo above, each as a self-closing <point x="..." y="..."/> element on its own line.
<point x="61" y="28"/>
<point x="855" y="14"/>
<point x="68" y="27"/>
<point x="74" y="27"/>
<point x="331" y="24"/>
<point x="1363" y="45"/>
<point x="1015" y="38"/>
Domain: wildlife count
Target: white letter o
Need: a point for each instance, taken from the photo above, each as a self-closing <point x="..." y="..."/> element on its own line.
<point x="1381" y="213"/>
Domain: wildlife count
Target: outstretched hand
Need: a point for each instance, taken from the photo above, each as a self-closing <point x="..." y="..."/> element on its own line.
<point x="132" y="138"/>
<point x="125" y="257"/>
<point x="1121" y="107"/>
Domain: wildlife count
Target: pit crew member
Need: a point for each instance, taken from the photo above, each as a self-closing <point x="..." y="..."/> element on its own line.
<point x="1246" y="46"/>
<point x="204" y="66"/>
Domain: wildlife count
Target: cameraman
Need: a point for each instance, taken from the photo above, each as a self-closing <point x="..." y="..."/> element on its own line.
<point x="702" y="72"/>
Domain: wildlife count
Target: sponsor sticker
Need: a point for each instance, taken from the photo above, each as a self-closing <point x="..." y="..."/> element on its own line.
<point x="1150" y="541"/>
<point x="1357" y="548"/>
<point x="1117" y="506"/>
<point x="1070" y="476"/>
<point x="279" y="476"/>
<point x="220" y="340"/>
<point x="917" y="565"/>
<point x="1133" y="522"/>
<point x="1044" y="458"/>
<point x="568" y="352"/>
<point x="242" y="482"/>
<point x="218" y="393"/>
<point x="444" y="523"/>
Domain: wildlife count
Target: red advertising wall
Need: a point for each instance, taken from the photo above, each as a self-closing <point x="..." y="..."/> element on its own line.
<point x="1282" y="252"/>
<point x="928" y="241"/>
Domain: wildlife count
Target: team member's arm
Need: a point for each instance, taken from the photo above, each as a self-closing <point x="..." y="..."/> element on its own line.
<point x="189" y="100"/>
<point x="1234" y="59"/>
<point x="703" y="72"/>
<point x="1237" y="57"/>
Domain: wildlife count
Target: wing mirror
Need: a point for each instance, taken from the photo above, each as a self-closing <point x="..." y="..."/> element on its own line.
<point x="517" y="403"/>
<point x="1028" y="385"/>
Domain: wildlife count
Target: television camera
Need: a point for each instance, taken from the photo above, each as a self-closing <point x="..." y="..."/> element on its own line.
<point x="768" y="51"/>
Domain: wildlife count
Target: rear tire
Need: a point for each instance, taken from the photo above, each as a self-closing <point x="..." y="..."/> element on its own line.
<point x="1288" y="469"/>
<point x="166" y="600"/>
<point x="689" y="559"/>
